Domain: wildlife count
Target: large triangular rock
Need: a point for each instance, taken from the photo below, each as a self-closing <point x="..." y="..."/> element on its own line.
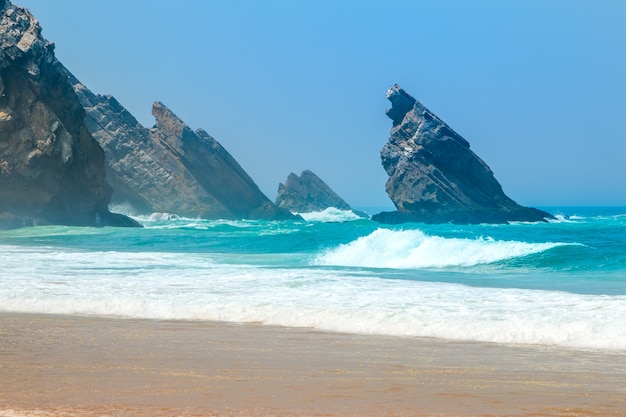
<point x="171" y="168"/>
<point x="434" y="176"/>
<point x="51" y="168"/>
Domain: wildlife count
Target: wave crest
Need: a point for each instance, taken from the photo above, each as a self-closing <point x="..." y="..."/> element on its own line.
<point x="331" y="214"/>
<point x="408" y="249"/>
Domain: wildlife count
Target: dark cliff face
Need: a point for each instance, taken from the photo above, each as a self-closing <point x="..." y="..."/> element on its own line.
<point x="307" y="193"/>
<point x="434" y="177"/>
<point x="51" y="169"/>
<point x="171" y="168"/>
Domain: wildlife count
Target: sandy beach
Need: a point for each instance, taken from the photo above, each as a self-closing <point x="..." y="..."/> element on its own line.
<point x="83" y="366"/>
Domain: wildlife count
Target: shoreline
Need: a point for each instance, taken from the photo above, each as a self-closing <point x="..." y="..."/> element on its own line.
<point x="53" y="365"/>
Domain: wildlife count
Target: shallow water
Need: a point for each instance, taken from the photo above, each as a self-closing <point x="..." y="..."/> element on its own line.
<point x="561" y="283"/>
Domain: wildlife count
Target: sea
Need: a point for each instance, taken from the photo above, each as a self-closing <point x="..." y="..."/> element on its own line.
<point x="559" y="283"/>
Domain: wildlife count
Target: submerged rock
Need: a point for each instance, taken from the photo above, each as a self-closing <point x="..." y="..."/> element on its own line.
<point x="171" y="168"/>
<point x="434" y="176"/>
<point x="51" y="169"/>
<point x="308" y="193"/>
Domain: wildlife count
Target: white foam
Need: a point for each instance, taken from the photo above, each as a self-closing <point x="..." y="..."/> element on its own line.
<point x="329" y="215"/>
<point x="386" y="248"/>
<point x="123" y="208"/>
<point x="186" y="286"/>
<point x="561" y="218"/>
<point x="163" y="217"/>
<point x="174" y="221"/>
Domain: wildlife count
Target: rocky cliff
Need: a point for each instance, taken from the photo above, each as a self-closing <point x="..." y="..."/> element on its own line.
<point x="51" y="169"/>
<point x="171" y="168"/>
<point x="308" y="193"/>
<point x="434" y="176"/>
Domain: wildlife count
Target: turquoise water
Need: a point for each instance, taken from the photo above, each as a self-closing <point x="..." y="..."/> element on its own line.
<point x="561" y="283"/>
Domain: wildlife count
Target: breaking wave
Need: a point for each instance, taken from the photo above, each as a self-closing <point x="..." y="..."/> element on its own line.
<point x="329" y="215"/>
<point x="407" y="249"/>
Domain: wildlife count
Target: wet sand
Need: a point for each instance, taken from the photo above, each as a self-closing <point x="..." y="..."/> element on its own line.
<point x="81" y="366"/>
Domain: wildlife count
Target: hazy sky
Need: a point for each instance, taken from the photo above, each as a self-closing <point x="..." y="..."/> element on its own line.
<point x="538" y="88"/>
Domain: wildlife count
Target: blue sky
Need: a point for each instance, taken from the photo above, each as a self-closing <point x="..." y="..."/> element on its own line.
<point x="538" y="88"/>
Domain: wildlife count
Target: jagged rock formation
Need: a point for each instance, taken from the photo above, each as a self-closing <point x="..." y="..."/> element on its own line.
<point x="434" y="177"/>
<point x="308" y="193"/>
<point x="51" y="169"/>
<point x="170" y="168"/>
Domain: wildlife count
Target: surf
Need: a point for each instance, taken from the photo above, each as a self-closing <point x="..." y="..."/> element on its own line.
<point x="549" y="284"/>
<point x="406" y="249"/>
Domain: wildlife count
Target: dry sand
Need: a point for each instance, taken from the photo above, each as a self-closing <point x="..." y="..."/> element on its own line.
<point x="81" y="366"/>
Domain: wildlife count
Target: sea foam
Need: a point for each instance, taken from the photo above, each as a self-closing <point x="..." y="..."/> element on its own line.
<point x="331" y="214"/>
<point x="276" y="273"/>
<point x="386" y="248"/>
<point x="171" y="286"/>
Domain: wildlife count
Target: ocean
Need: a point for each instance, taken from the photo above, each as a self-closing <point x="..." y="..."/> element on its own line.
<point x="561" y="283"/>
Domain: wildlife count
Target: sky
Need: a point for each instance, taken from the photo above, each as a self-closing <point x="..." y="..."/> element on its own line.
<point x="538" y="88"/>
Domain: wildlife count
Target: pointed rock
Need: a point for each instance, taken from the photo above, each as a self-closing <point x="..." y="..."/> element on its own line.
<point x="434" y="177"/>
<point x="170" y="168"/>
<point x="307" y="193"/>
